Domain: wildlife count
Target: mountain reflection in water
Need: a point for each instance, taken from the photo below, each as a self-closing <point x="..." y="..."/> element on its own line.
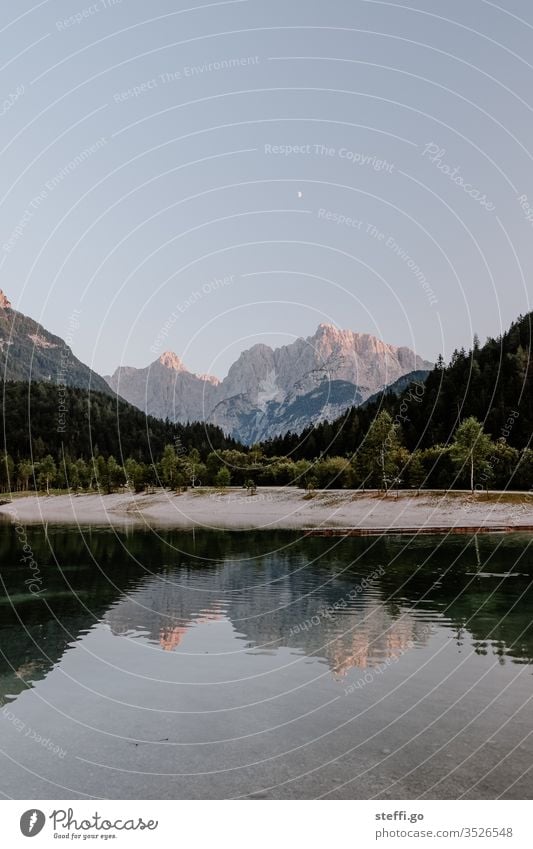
<point x="277" y="590"/>
<point x="221" y="665"/>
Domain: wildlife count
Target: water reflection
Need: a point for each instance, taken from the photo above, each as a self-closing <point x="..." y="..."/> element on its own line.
<point x="362" y="634"/>
<point x="275" y="590"/>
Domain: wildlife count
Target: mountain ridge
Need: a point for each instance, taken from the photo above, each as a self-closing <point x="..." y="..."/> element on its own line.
<point x="261" y="395"/>
<point x="29" y="352"/>
<point x="266" y="392"/>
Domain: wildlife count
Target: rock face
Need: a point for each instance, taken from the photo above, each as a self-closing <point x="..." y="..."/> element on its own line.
<point x="270" y="391"/>
<point x="28" y="352"/>
<point x="166" y="389"/>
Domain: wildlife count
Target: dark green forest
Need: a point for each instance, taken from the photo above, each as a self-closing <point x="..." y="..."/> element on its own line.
<point x="489" y="382"/>
<point x="468" y="425"/>
<point x="39" y="435"/>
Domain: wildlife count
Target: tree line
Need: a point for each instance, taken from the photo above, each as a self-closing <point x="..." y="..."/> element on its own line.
<point x="491" y="382"/>
<point x="472" y="461"/>
<point x="468" y="426"/>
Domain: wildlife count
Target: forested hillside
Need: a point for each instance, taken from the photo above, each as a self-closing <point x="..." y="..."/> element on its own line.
<point x="29" y="352"/>
<point x="490" y="382"/>
<point x="468" y="425"/>
<point x="92" y="424"/>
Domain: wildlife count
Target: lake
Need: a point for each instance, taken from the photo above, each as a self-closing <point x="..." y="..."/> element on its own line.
<point x="265" y="665"/>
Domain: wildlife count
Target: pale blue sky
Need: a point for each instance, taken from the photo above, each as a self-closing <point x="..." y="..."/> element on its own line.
<point x="181" y="183"/>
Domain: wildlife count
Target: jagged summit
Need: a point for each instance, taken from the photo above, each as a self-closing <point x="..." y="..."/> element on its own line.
<point x="29" y="352"/>
<point x="171" y="360"/>
<point x="270" y="390"/>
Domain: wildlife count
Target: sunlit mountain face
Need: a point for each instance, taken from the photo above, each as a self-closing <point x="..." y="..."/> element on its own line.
<point x="269" y="391"/>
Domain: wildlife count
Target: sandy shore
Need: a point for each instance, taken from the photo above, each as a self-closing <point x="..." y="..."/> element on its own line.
<point x="273" y="507"/>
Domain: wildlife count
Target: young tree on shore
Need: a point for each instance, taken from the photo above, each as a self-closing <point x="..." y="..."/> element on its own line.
<point x="471" y="447"/>
<point x="223" y="477"/>
<point x="416" y="471"/>
<point x="84" y="474"/>
<point x="115" y="475"/>
<point x="380" y="453"/>
<point x="193" y="463"/>
<point x="47" y="472"/>
<point x="135" y="474"/>
<point x="7" y="469"/>
<point x="102" y="477"/>
<point x="25" y="471"/>
<point x="169" y="466"/>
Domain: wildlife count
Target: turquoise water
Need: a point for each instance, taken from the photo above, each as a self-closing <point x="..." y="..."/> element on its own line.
<point x="265" y="665"/>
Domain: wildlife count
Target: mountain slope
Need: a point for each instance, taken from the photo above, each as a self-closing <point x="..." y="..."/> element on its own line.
<point x="493" y="382"/>
<point x="399" y="386"/>
<point x="94" y="423"/>
<point x="166" y="389"/>
<point x="325" y="403"/>
<point x="29" y="352"/>
<point x="271" y="391"/>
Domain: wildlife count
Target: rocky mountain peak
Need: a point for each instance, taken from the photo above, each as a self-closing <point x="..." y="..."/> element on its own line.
<point x="267" y="390"/>
<point x="327" y="329"/>
<point x="5" y="303"/>
<point x="171" y="361"/>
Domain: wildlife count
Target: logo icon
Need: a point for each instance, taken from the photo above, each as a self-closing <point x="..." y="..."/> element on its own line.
<point x="32" y="822"/>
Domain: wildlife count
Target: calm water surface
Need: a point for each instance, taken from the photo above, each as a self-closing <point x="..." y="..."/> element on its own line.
<point x="221" y="665"/>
